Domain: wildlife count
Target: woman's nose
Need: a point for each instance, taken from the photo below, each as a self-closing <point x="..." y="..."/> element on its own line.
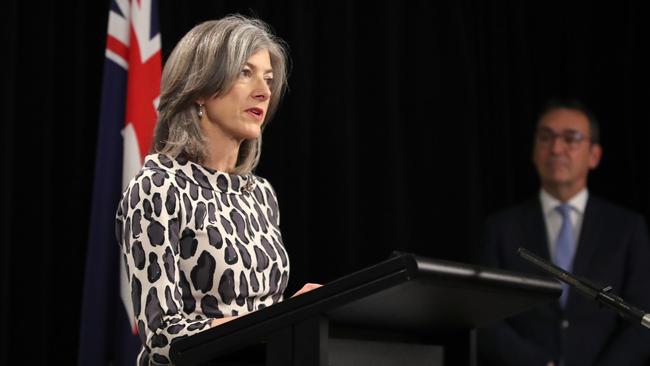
<point x="262" y="91"/>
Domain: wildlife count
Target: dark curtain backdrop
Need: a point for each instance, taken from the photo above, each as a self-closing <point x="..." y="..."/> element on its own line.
<point x="405" y="124"/>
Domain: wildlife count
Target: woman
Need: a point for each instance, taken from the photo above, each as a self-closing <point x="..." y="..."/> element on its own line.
<point x="199" y="232"/>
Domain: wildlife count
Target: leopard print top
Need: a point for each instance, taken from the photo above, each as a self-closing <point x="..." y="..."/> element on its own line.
<point x="197" y="244"/>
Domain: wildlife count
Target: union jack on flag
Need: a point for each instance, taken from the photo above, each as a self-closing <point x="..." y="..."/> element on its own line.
<point x="130" y="94"/>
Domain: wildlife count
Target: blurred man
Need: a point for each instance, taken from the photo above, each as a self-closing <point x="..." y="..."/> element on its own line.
<point x="582" y="234"/>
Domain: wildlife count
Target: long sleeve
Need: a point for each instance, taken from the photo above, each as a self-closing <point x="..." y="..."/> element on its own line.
<point x="197" y="245"/>
<point x="148" y="224"/>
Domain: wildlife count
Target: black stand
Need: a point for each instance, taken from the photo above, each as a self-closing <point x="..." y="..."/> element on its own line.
<point x="408" y="310"/>
<point x="603" y="295"/>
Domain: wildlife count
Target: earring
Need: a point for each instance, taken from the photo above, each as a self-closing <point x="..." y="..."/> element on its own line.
<point x="200" y="112"/>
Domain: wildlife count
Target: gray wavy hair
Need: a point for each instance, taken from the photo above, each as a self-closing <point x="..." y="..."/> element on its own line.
<point x="205" y="62"/>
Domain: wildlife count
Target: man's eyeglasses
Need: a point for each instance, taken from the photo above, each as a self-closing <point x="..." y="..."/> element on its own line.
<point x="572" y="138"/>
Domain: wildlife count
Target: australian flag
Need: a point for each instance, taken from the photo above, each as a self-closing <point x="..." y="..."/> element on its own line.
<point x="131" y="90"/>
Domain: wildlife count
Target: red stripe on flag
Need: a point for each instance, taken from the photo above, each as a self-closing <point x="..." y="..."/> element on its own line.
<point x="117" y="47"/>
<point x="143" y="87"/>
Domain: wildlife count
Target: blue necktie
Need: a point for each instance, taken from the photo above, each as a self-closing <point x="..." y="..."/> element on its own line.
<point x="564" y="248"/>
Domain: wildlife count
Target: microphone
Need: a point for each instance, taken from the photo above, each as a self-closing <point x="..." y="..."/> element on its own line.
<point x="602" y="295"/>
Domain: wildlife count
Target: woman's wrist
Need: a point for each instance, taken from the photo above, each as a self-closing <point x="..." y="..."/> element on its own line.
<point x="218" y="321"/>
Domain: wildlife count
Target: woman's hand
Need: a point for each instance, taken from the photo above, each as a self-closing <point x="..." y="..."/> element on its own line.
<point x="219" y="321"/>
<point x="306" y="288"/>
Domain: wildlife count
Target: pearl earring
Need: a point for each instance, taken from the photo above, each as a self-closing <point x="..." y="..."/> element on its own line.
<point x="200" y="113"/>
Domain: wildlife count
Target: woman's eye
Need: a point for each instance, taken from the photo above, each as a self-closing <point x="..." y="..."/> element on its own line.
<point x="246" y="73"/>
<point x="269" y="81"/>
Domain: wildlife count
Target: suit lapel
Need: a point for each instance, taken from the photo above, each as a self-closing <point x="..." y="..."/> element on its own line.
<point x="587" y="244"/>
<point x="535" y="229"/>
<point x="589" y="237"/>
<point x="538" y="239"/>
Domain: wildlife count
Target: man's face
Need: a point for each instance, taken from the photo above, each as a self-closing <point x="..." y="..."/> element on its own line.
<point x="563" y="152"/>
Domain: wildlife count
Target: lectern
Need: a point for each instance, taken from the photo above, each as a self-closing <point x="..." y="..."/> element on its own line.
<point x="407" y="310"/>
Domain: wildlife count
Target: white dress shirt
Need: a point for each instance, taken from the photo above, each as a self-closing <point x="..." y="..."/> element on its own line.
<point x="553" y="218"/>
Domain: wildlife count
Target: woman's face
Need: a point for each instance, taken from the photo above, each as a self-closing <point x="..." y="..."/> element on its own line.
<point x="240" y="111"/>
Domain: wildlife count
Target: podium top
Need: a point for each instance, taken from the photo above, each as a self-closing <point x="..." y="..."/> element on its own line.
<point x="407" y="293"/>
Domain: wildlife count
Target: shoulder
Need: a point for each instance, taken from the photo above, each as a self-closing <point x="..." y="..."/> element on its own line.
<point x="148" y="189"/>
<point x="149" y="181"/>
<point x="160" y="172"/>
<point x="263" y="184"/>
<point x="515" y="213"/>
<point x="612" y="212"/>
<point x="264" y="192"/>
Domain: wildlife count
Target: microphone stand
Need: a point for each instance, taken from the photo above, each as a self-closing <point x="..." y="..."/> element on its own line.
<point x="602" y="295"/>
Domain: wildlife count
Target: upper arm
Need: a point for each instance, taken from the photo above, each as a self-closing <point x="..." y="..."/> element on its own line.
<point x="151" y="217"/>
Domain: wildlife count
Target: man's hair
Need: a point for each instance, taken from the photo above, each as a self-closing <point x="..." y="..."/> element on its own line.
<point x="572" y="104"/>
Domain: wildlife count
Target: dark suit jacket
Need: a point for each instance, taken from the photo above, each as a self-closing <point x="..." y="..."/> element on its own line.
<point x="613" y="249"/>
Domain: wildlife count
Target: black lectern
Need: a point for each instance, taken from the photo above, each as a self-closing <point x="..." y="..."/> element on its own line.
<point x="407" y="310"/>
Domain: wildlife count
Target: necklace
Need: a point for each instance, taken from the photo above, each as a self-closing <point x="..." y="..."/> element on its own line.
<point x="250" y="184"/>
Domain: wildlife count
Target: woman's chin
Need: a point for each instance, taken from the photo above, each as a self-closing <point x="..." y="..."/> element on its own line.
<point x="253" y="132"/>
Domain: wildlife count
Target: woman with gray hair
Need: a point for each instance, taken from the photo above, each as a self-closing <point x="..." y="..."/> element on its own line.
<point x="199" y="232"/>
